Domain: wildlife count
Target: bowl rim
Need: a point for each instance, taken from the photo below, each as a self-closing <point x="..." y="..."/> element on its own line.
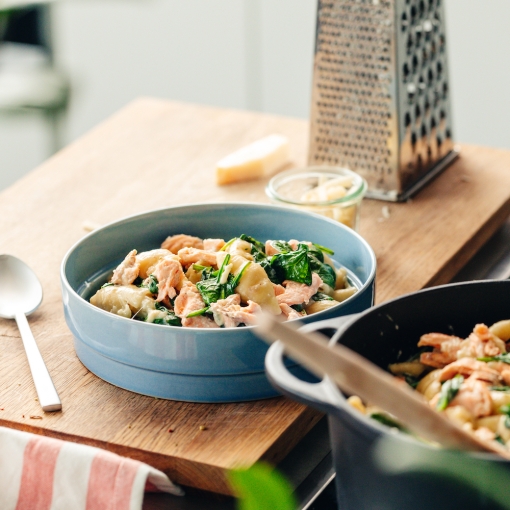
<point x="369" y="281"/>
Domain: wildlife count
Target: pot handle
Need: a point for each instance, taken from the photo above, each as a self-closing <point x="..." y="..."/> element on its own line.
<point x="323" y="395"/>
<point x="338" y="323"/>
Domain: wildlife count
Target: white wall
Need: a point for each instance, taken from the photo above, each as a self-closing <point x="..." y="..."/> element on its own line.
<point x="254" y="54"/>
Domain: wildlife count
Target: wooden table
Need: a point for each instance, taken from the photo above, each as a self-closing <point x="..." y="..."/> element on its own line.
<point x="154" y="154"/>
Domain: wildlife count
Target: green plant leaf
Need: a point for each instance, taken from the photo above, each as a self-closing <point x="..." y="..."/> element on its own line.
<point x="261" y="487"/>
<point x="293" y="266"/>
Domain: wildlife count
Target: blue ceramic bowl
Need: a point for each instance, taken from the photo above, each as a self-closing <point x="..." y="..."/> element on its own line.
<point x="192" y="364"/>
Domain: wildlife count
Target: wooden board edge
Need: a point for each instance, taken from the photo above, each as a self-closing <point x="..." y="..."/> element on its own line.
<point x="291" y="437"/>
<point x="469" y="249"/>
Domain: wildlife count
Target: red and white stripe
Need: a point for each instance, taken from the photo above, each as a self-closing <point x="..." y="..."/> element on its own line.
<point x="42" y="473"/>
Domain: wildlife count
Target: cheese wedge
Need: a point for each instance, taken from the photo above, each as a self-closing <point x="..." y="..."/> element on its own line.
<point x="259" y="159"/>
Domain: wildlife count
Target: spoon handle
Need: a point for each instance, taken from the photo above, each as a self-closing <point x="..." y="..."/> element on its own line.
<point x="48" y="396"/>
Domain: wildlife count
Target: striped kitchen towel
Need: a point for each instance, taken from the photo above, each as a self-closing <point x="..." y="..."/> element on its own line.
<point x="42" y="473"/>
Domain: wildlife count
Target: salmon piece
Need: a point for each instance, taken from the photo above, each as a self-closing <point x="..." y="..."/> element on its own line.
<point x="228" y="312"/>
<point x="127" y="271"/>
<point x="436" y="359"/>
<point x="484" y="434"/>
<point x="213" y="244"/>
<point x="299" y="293"/>
<point x="189" y="300"/>
<point x="180" y="241"/>
<point x="475" y="396"/>
<point x="446" y="343"/>
<point x="445" y="349"/>
<point x="294" y="244"/>
<point x="469" y="367"/>
<point x="505" y="375"/>
<point x="278" y="289"/>
<point x="481" y="343"/>
<point x="270" y="249"/>
<point x="190" y="256"/>
<point x="289" y="312"/>
<point x="170" y="277"/>
<point x="199" y="322"/>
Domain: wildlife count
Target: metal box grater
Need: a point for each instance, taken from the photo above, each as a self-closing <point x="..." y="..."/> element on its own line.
<point x="380" y="96"/>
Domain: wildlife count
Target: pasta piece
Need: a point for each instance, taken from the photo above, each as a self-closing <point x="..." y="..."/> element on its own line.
<point x="341" y="277"/>
<point x="429" y="386"/>
<point x="319" y="306"/>
<point x="241" y="248"/>
<point x="412" y="368"/>
<point x="502" y="429"/>
<point x="499" y="399"/>
<point x="357" y="403"/>
<point x="124" y="300"/>
<point x="490" y="422"/>
<point x="193" y="275"/>
<point x="460" y="415"/>
<point x="149" y="259"/>
<point x="256" y="286"/>
<point x="501" y="329"/>
<point x="343" y="294"/>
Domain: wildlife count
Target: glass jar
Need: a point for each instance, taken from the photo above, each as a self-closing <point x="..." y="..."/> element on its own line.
<point x="334" y="192"/>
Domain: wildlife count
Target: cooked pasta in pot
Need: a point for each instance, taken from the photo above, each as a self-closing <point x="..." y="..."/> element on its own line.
<point x="210" y="283"/>
<point x="467" y="379"/>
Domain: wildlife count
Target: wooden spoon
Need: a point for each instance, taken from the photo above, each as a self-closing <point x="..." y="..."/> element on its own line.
<point x="355" y="375"/>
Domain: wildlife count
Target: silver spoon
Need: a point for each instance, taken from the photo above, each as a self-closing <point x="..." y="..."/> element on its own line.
<point x="20" y="295"/>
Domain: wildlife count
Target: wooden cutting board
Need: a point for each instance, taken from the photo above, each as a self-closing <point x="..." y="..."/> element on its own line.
<point x="154" y="154"/>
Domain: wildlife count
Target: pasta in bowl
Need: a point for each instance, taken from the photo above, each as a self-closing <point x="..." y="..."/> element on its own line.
<point x="198" y="364"/>
<point x="209" y="283"/>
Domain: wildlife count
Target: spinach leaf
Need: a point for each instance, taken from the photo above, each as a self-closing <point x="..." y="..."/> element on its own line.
<point x="196" y="313"/>
<point x="210" y="287"/>
<point x="270" y="271"/>
<point x="281" y="246"/>
<point x="325" y="271"/>
<point x="448" y="391"/>
<point x="504" y="358"/>
<point x="316" y="253"/>
<point x="329" y="251"/>
<point x="153" y="284"/>
<point x="388" y="421"/>
<point x="171" y="319"/>
<point x="506" y="410"/>
<point x="320" y="296"/>
<point x="293" y="266"/>
<point x="500" y="388"/>
<point x="256" y="244"/>
<point x="107" y="284"/>
<point x="412" y="381"/>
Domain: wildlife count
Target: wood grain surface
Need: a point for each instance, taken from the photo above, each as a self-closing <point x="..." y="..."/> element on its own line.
<point x="153" y="154"/>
